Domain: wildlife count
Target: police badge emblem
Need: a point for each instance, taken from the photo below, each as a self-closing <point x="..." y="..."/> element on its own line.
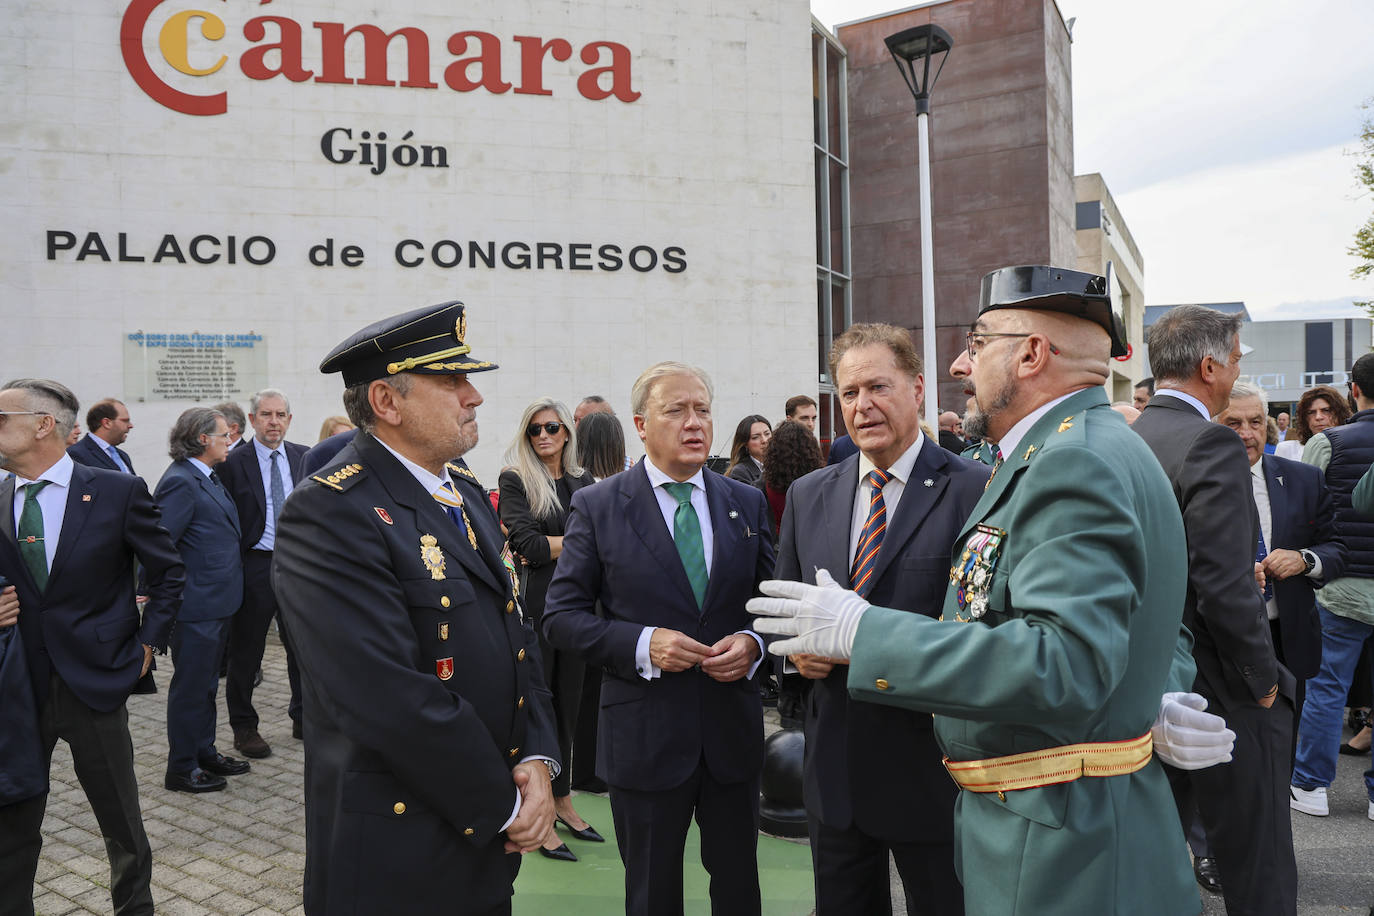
<point x="443" y="667"/>
<point x="972" y="575"/>
<point x="432" y="556"/>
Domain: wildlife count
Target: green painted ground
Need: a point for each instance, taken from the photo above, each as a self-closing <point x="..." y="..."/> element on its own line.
<point x="595" y="885"/>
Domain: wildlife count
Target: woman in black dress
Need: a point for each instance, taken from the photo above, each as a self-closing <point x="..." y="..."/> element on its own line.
<point x="537" y="485"/>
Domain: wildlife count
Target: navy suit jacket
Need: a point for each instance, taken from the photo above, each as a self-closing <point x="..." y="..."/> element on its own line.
<point x="323" y="452"/>
<point x="844" y="737"/>
<point x="617" y="550"/>
<point x="243" y="479"/>
<point x="204" y="525"/>
<point x="86" y="623"/>
<point x="1302" y="516"/>
<point x="87" y="452"/>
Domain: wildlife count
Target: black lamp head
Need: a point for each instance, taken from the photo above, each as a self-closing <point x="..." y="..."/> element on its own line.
<point x="919" y="45"/>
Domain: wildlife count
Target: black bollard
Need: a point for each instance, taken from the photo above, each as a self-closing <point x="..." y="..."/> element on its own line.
<point x="781" y="810"/>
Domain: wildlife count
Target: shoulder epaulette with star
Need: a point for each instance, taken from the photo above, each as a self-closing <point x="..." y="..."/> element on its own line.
<point x="461" y="470"/>
<point x="342" y="477"/>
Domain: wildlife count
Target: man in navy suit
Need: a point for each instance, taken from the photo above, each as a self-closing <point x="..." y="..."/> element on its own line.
<point x="69" y="541"/>
<point x="1301" y="548"/>
<point x="109" y="423"/>
<point x="672" y="554"/>
<point x="258" y="477"/>
<point x="926" y="495"/>
<point x="202" y="520"/>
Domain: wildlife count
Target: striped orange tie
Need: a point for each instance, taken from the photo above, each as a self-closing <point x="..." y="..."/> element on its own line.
<point x="871" y="539"/>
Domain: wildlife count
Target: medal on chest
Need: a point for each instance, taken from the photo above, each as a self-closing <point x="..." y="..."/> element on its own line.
<point x="432" y="556"/>
<point x="972" y="573"/>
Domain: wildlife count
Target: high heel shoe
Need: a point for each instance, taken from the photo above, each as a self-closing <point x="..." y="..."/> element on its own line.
<point x="588" y="833"/>
<point x="562" y="853"/>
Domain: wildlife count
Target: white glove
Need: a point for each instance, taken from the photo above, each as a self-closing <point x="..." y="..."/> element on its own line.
<point x="1188" y="738"/>
<point x="821" y="618"/>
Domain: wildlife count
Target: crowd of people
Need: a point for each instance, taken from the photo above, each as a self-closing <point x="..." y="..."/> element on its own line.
<point x="1073" y="643"/>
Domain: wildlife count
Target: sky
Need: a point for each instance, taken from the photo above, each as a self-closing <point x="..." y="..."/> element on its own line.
<point x="1227" y="134"/>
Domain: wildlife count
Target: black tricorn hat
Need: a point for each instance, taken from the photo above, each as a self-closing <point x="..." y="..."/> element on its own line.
<point x="1055" y="289"/>
<point x="429" y="341"/>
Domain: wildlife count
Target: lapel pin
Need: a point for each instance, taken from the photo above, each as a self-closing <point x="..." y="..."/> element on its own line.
<point x="86" y="497"/>
<point x="928" y="482"/>
<point x="383" y="514"/>
<point x="734" y="514"/>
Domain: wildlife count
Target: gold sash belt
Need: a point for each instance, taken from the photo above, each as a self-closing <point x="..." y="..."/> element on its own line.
<point x="1051" y="766"/>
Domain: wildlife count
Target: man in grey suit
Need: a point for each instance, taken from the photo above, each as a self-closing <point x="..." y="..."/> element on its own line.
<point x="1195" y="356"/>
<point x="925" y="495"/>
<point x="202" y="519"/>
<point x="109" y="423"/>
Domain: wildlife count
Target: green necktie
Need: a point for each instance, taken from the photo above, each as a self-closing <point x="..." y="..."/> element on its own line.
<point x="687" y="537"/>
<point x="31" y="535"/>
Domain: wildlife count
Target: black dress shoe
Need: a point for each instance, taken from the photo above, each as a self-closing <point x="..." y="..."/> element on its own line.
<point x="195" y="781"/>
<point x="562" y="853"/>
<point x="1205" y="868"/>
<point x="221" y="765"/>
<point x="257" y="678"/>
<point x="588" y="833"/>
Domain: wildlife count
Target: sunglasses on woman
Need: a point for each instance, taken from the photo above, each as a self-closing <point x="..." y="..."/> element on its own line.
<point x="552" y="428"/>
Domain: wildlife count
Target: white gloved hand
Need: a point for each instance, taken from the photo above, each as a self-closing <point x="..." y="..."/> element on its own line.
<point x="1188" y="738"/>
<point x="821" y="619"/>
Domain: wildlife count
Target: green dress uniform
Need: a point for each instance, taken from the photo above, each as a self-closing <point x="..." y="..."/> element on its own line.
<point x="983" y="452"/>
<point x="1061" y="626"/>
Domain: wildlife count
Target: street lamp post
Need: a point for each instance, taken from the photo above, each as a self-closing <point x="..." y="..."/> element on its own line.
<point x="911" y="48"/>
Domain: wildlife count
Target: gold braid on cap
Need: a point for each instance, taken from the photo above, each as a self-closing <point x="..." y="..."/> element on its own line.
<point x="411" y="362"/>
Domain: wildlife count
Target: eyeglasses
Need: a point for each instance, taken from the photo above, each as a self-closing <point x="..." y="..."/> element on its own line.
<point x="23" y="413"/>
<point x="552" y="428"/>
<point x="982" y="337"/>
<point x="216" y="435"/>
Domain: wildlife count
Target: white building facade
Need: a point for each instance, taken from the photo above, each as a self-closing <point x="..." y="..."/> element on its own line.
<point x="204" y="197"/>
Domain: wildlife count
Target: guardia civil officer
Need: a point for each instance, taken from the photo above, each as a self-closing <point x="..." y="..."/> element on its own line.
<point x="429" y="734"/>
<point x="1047" y="668"/>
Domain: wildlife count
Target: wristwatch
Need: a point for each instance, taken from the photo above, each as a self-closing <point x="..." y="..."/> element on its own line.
<point x="1310" y="559"/>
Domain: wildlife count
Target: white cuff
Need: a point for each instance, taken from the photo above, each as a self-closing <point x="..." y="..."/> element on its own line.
<point x="1316" y="572"/>
<point x="763" y="651"/>
<point x="644" y="665"/>
<point x="515" y="812"/>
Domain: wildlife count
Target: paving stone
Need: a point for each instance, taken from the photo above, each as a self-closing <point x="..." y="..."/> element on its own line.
<point x="53" y="904"/>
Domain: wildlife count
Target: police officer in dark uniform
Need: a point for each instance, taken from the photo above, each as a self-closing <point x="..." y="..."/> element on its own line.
<point x="429" y="733"/>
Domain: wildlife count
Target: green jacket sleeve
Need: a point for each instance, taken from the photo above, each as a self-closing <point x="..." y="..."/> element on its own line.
<point x="1075" y="554"/>
<point x="1363" y="497"/>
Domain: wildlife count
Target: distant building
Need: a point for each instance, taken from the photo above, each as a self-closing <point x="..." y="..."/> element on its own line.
<point x="1103" y="236"/>
<point x="1288" y="357"/>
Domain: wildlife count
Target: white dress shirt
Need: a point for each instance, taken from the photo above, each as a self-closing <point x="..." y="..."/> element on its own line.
<point x="201" y="466"/>
<point x="269" y="528"/>
<point x="863" y="495"/>
<point x="667" y="505"/>
<point x="52" y="499"/>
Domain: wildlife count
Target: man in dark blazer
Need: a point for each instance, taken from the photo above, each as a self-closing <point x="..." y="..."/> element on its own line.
<point x="429" y="732"/>
<point x="69" y="541"/>
<point x="258" y="477"/>
<point x="1195" y="356"/>
<point x="199" y="515"/>
<point x="323" y="452"/>
<point x="672" y="553"/>
<point x="1302" y="547"/>
<point x="109" y="423"/>
<point x="855" y="820"/>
